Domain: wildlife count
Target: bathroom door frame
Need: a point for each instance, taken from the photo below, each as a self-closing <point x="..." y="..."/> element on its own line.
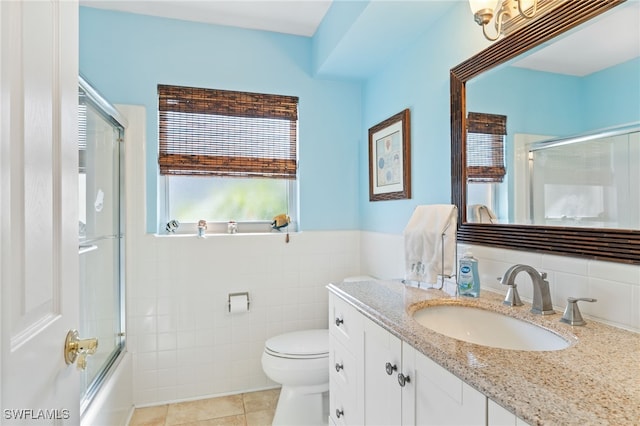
<point x="39" y="210"/>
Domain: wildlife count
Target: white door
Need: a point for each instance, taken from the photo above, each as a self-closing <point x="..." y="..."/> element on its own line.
<point x="39" y="218"/>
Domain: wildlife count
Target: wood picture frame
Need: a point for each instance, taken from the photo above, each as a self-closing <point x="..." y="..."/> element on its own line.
<point x="390" y="158"/>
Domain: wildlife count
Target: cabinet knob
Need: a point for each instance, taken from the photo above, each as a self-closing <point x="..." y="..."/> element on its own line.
<point x="390" y="368"/>
<point x="339" y="413"/>
<point x="339" y="367"/>
<point x="339" y="321"/>
<point x="403" y="380"/>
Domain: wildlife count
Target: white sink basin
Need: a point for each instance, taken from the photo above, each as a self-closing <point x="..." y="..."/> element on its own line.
<point x="488" y="328"/>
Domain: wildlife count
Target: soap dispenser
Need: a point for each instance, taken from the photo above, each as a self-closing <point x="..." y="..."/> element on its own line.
<point x="468" y="276"/>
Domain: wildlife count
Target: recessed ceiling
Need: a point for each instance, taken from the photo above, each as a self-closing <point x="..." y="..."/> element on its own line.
<point x="298" y="17"/>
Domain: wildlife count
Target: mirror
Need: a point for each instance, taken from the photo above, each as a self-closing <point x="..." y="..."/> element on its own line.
<point x="576" y="92"/>
<point x="525" y="232"/>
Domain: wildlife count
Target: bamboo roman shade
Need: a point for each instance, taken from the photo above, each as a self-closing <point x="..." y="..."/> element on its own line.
<point x="209" y="132"/>
<point x="485" y="147"/>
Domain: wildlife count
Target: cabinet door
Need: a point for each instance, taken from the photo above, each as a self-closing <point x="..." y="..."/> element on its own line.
<point x="499" y="416"/>
<point x="408" y="413"/>
<point x="382" y="405"/>
<point x="345" y="407"/>
<point x="441" y="398"/>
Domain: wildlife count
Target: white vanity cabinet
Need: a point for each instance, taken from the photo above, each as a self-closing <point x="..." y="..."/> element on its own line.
<point x="377" y="379"/>
<point x="404" y="387"/>
<point x="346" y="352"/>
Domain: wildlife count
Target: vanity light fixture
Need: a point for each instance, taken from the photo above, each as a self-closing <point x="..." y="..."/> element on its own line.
<point x="483" y="11"/>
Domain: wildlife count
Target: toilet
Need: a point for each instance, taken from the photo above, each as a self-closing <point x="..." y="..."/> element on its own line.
<point x="299" y="361"/>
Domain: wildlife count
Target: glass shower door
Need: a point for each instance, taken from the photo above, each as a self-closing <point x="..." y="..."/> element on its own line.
<point x="101" y="245"/>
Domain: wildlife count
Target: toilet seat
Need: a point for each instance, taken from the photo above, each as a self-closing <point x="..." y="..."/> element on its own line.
<point x="307" y="344"/>
<point x="299" y="361"/>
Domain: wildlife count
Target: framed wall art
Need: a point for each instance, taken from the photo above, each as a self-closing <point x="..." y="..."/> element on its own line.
<point x="390" y="159"/>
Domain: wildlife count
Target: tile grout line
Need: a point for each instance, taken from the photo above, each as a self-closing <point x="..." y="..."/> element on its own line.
<point x="140" y="419"/>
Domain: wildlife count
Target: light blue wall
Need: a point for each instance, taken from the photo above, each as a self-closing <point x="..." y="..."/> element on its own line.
<point x="418" y="78"/>
<point x="336" y="23"/>
<point x="559" y="105"/>
<point x="613" y="96"/>
<point x="125" y="56"/>
<point x="534" y="102"/>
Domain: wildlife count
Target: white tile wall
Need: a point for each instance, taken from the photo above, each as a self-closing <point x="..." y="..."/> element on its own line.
<point x="616" y="286"/>
<point x="183" y="341"/>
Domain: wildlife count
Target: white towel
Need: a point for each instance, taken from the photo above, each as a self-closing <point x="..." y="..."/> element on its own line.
<point x="423" y="242"/>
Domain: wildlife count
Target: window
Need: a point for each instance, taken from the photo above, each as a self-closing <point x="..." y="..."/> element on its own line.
<point x="485" y="147"/>
<point x="227" y="155"/>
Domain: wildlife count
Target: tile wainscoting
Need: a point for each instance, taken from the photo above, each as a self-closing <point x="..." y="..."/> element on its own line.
<point x="184" y="342"/>
<point x="615" y="285"/>
<point x="186" y="345"/>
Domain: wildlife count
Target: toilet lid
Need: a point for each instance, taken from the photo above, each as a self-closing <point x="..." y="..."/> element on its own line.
<point x="299" y="344"/>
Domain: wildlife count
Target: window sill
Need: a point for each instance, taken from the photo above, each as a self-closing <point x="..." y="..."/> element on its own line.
<point x="221" y="234"/>
<point x="222" y="228"/>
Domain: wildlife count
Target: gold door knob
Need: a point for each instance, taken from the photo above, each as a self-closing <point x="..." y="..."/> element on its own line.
<point x="78" y="349"/>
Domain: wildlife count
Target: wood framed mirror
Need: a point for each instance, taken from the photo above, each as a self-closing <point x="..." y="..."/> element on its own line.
<point x="609" y="244"/>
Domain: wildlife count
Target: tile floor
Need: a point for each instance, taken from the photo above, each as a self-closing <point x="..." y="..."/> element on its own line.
<point x="247" y="409"/>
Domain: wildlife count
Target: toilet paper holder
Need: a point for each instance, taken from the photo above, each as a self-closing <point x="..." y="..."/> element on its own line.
<point x="244" y="293"/>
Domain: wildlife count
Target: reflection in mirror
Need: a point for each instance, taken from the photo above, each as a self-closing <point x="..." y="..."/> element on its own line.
<point x="587" y="181"/>
<point x="561" y="120"/>
<point x="575" y="85"/>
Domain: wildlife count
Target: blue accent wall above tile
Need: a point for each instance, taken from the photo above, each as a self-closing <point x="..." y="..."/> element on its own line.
<point x="127" y="55"/>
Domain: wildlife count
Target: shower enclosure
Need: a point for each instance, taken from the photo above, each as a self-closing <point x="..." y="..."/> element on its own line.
<point x="590" y="180"/>
<point x="101" y="235"/>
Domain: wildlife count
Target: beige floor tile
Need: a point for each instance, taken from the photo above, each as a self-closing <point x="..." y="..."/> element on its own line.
<point x="149" y="416"/>
<point x="238" y="420"/>
<point x="260" y="418"/>
<point x="249" y="409"/>
<point x="261" y="400"/>
<point x="204" y="409"/>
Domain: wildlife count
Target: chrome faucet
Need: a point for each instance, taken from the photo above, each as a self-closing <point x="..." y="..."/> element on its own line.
<point x="541" y="295"/>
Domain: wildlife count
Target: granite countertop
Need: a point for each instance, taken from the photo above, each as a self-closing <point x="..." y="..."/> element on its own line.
<point x="595" y="381"/>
